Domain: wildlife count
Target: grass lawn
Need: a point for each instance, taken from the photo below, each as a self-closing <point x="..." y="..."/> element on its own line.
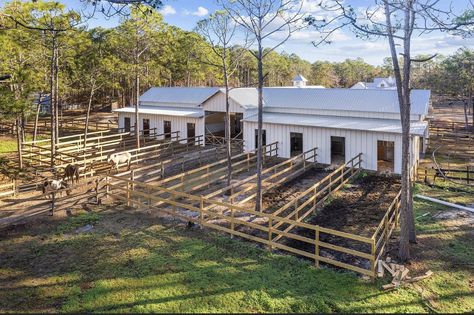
<point x="132" y="261"/>
<point x="7" y="144"/>
<point x="448" y="191"/>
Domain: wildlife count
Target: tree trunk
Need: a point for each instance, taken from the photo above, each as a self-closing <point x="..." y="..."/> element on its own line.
<point x="137" y="100"/>
<point x="52" y="98"/>
<point x="466" y="119"/>
<point x="258" y="199"/>
<point x="471" y="104"/>
<point x="403" y="93"/>
<point x="35" y="128"/>
<point x="19" y="142"/>
<point x="227" y="130"/>
<point x="89" y="105"/>
<point x="56" y="94"/>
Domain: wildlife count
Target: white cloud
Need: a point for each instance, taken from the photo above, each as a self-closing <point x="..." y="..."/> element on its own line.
<point x="201" y="11"/>
<point x="168" y="10"/>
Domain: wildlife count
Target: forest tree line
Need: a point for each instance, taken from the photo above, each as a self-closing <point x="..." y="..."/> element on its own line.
<point x="101" y="62"/>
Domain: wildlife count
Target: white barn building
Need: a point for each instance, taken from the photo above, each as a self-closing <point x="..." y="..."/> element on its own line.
<point x="341" y="123"/>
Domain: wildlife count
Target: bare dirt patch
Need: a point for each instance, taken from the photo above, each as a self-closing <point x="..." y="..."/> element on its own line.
<point x="358" y="208"/>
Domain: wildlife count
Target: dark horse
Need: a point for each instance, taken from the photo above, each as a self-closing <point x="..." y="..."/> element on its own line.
<point x="71" y="171"/>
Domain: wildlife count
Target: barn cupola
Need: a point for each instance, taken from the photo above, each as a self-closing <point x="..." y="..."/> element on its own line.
<point x="299" y="81"/>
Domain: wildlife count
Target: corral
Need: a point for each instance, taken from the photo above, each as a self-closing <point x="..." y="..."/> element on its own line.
<point x="201" y="196"/>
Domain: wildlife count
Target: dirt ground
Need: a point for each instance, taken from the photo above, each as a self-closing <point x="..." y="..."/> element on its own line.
<point x="357" y="208"/>
<point x="455" y="151"/>
<point x="442" y="110"/>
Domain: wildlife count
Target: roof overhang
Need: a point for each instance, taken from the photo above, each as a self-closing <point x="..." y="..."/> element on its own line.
<point x="417" y="128"/>
<point x="168" y="111"/>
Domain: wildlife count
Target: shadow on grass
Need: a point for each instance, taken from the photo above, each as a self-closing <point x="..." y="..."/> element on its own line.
<point x="134" y="262"/>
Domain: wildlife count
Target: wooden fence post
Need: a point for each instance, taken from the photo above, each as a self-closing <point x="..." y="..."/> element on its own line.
<point x="270" y="234"/>
<point x="467" y="174"/>
<point x="373" y="263"/>
<point x="316" y="246"/>
<point x="107" y="188"/>
<point x="232" y="224"/>
<point x="201" y="211"/>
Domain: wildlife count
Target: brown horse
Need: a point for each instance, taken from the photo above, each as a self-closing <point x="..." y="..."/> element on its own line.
<point x="71" y="172"/>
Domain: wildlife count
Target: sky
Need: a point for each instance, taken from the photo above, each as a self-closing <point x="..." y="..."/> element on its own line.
<point x="186" y="13"/>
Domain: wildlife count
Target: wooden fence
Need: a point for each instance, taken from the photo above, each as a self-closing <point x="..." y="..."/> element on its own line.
<point x="8" y="189"/>
<point x="465" y="175"/>
<point x="69" y="124"/>
<point x="384" y="230"/>
<point x="444" y="128"/>
<point x="97" y="147"/>
<point x="230" y="218"/>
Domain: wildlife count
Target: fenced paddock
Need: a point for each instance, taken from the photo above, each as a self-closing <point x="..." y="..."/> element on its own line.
<point x="8" y="189"/>
<point x="461" y="175"/>
<point x="101" y="143"/>
<point x="180" y="197"/>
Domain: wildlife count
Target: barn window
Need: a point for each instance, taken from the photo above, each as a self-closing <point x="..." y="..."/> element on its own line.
<point x="385" y="155"/>
<point x="296" y="143"/>
<point x="264" y="138"/>
<point x="146" y="126"/>
<point x="338" y="150"/>
<point x="167" y="128"/>
<point x="191" y="127"/>
<point x="126" y="124"/>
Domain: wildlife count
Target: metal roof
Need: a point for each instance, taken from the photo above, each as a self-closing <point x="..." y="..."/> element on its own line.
<point x="166" y="111"/>
<point x="338" y="122"/>
<point x="300" y="77"/>
<point x="181" y="95"/>
<point x="246" y="97"/>
<point x="367" y="100"/>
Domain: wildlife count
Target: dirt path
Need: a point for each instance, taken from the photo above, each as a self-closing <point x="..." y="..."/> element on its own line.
<point x="32" y="204"/>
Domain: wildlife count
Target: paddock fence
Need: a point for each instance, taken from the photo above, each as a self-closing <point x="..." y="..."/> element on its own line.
<point x="461" y="175"/>
<point x="277" y="230"/>
<point x="8" y="189"/>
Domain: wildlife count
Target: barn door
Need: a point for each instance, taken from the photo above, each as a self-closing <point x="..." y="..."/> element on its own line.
<point x="126" y="124"/>
<point x="296" y="143"/>
<point x="146" y="126"/>
<point x="191" y="132"/>
<point x="264" y="138"/>
<point x="338" y="150"/>
<point x="167" y="129"/>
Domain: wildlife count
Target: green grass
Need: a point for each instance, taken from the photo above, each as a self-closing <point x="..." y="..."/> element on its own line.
<point x="448" y="191"/>
<point x="132" y="262"/>
<point x="8" y="142"/>
<point x="7" y="145"/>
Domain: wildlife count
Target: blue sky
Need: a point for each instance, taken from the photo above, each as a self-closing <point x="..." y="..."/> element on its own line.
<point x="185" y="14"/>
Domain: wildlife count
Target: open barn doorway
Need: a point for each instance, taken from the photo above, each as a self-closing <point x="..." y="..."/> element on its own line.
<point x="385" y="156"/>
<point x="167" y="129"/>
<point x="296" y="143"/>
<point x="191" y="132"/>
<point x="146" y="126"/>
<point x="264" y="138"/>
<point x="215" y="124"/>
<point x="338" y="150"/>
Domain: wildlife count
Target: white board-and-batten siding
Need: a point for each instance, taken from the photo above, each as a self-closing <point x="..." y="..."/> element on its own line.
<point x="355" y="142"/>
<point x="347" y="113"/>
<point x="217" y="104"/>
<point x="156" y="121"/>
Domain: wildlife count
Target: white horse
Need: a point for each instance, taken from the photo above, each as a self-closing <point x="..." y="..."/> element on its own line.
<point x="115" y="159"/>
<point x="53" y="186"/>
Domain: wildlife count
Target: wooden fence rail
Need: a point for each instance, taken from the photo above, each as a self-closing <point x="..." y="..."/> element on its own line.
<point x="200" y="210"/>
<point x="465" y="175"/>
<point x="8" y="189"/>
<point x="231" y="217"/>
